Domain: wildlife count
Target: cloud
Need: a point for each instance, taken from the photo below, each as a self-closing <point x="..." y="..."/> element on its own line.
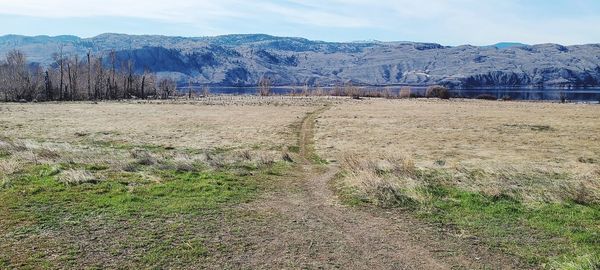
<point x="450" y="22"/>
<point x="182" y="10"/>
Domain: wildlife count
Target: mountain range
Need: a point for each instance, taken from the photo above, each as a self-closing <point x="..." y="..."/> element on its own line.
<point x="242" y="60"/>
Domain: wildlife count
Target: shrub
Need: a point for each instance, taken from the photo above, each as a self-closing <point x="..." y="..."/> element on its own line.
<point x="387" y="93"/>
<point x="405" y="92"/>
<point x="486" y="97"/>
<point x="438" y="92"/>
<point x="264" y="86"/>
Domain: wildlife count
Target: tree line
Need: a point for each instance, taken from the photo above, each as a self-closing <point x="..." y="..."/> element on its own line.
<point x="70" y="78"/>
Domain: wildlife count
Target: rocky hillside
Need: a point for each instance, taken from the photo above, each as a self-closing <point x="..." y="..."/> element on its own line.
<point x="240" y="60"/>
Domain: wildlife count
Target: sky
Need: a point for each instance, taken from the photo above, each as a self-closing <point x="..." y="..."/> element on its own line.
<point x="448" y="22"/>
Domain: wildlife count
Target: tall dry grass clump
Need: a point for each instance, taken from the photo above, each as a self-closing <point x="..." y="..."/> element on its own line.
<point x="9" y="166"/>
<point x="388" y="180"/>
<point x="77" y="177"/>
<point x="385" y="180"/>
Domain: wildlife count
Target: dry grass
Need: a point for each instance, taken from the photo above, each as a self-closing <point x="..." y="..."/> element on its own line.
<point x="77" y="177"/>
<point x="534" y="150"/>
<point x="238" y="123"/>
<point x="92" y="142"/>
<point x="384" y="180"/>
<point x="8" y="167"/>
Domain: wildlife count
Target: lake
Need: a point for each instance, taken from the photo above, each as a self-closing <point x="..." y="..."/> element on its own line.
<point x="579" y="94"/>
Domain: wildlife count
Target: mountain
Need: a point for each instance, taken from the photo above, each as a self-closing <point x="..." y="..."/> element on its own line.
<point x="241" y="60"/>
<point x="504" y="45"/>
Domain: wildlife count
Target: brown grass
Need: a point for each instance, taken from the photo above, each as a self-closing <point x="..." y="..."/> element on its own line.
<point x="77" y="177"/>
<point x="95" y="141"/>
<point x="236" y="123"/>
<point x="532" y="150"/>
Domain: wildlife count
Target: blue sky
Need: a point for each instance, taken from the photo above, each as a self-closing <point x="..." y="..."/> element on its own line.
<point x="449" y="22"/>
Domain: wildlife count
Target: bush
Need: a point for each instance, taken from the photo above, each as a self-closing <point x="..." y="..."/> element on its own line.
<point x="388" y="93"/>
<point x="405" y="92"/>
<point x="438" y="92"/>
<point x="486" y="97"/>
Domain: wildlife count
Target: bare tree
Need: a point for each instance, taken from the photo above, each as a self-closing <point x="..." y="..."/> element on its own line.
<point x="48" y="86"/>
<point x="59" y="58"/>
<point x="129" y="79"/>
<point x="4" y="80"/>
<point x="388" y="93"/>
<point x="79" y="79"/>
<point x="190" y="85"/>
<point x="100" y="85"/>
<point x="19" y="80"/>
<point x="205" y="91"/>
<point x="73" y="75"/>
<point x="264" y="86"/>
<point x="146" y="84"/>
<point x="89" y="74"/>
<point x="167" y="88"/>
<point x="113" y="83"/>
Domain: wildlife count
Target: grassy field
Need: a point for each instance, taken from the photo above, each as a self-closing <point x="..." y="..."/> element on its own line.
<point x="521" y="177"/>
<point x="238" y="182"/>
<point x="123" y="185"/>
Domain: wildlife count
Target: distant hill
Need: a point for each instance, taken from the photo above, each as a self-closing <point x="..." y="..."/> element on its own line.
<point x="241" y="60"/>
<point x="504" y="45"/>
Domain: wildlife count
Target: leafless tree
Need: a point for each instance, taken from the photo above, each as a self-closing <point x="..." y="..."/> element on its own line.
<point x="89" y="74"/>
<point x="167" y="88"/>
<point x="4" y="80"/>
<point x="59" y="58"/>
<point x="78" y="79"/>
<point x="205" y="91"/>
<point x="73" y="75"/>
<point x="264" y="86"/>
<point x="19" y="80"/>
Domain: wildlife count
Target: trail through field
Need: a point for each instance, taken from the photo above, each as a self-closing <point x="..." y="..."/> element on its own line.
<point x="309" y="228"/>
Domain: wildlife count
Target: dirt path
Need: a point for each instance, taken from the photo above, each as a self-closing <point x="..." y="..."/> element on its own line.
<point x="307" y="228"/>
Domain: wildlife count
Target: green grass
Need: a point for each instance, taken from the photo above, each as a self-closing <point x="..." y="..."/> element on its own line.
<point x="36" y="202"/>
<point x="294" y="149"/>
<point x="540" y="234"/>
<point x="316" y="159"/>
<point x="39" y="195"/>
<point x="555" y="235"/>
<point x="4" y="153"/>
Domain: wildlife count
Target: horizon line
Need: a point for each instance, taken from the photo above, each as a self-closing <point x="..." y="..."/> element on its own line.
<point x="293" y="37"/>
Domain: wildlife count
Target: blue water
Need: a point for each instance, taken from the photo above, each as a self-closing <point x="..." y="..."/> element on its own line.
<point x="582" y="94"/>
